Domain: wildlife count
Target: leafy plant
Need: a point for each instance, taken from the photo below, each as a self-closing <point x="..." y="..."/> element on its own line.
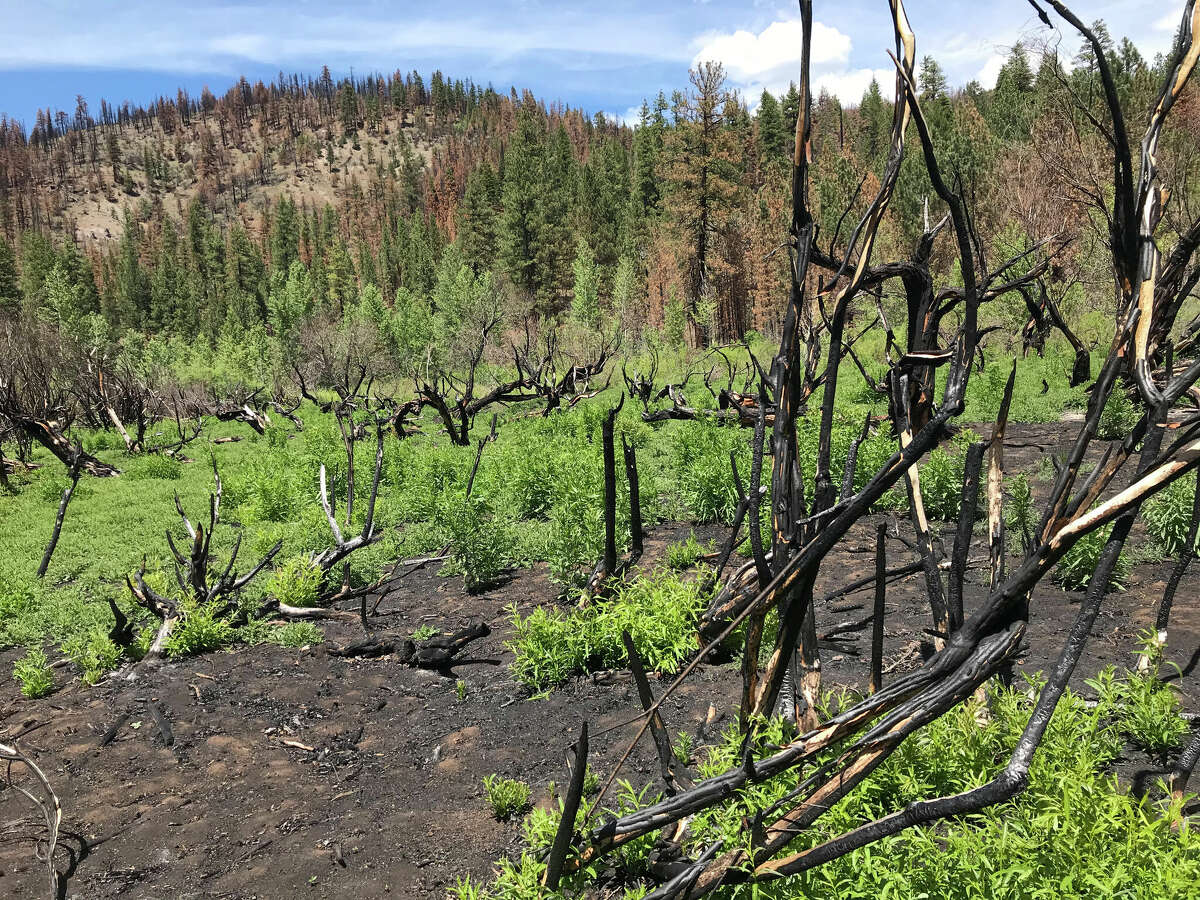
<point x="507" y="797"/>
<point x="478" y="541"/>
<point x="682" y="748"/>
<point x="1118" y="417"/>
<point x="1074" y="570"/>
<point x="1022" y="517"/>
<point x="424" y="633"/>
<point x="1168" y="516"/>
<point x="684" y="554"/>
<point x="200" y="629"/>
<point x="659" y="612"/>
<point x="34" y="674"/>
<point x="296" y="634"/>
<point x="941" y="485"/>
<point x="155" y="465"/>
<point x="297" y="582"/>
<point x="94" y="653"/>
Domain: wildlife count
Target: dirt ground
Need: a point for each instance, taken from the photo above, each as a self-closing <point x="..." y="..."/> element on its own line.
<point x="379" y="791"/>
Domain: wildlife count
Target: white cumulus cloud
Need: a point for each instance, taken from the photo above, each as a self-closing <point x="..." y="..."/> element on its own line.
<point x="771" y="58"/>
<point x="991" y="71"/>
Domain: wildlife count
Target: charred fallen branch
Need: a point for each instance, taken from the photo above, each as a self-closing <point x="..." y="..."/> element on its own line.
<point x="242" y="409"/>
<point x="439" y="653"/>
<point x="37" y="790"/>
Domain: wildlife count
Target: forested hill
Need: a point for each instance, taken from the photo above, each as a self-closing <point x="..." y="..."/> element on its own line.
<point x="191" y="214"/>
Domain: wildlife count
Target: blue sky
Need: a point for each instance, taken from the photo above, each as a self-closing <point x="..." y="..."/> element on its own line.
<point x="602" y="56"/>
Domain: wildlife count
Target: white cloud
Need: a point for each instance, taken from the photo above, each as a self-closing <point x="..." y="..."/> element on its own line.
<point x="991" y="71"/>
<point x="1169" y="22"/>
<point x="773" y="55"/>
<point x="849" y="86"/>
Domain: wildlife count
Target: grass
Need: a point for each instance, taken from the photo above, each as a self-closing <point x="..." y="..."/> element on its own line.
<point x="1073" y="833"/>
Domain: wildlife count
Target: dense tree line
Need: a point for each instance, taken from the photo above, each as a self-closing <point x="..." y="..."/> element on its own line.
<point x="675" y="224"/>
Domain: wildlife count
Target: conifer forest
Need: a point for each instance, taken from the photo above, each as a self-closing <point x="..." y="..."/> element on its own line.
<point x="416" y="488"/>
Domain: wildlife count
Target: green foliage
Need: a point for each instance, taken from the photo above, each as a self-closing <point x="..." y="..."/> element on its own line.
<point x="941" y="478"/>
<point x="682" y="749"/>
<point x="424" y="633"/>
<point x="1074" y="833"/>
<point x="1144" y="708"/>
<point x="1074" y="570"/>
<point x="199" y="630"/>
<point x="157" y="466"/>
<point x="1168" y="516"/>
<point x="1022" y="516"/>
<point x="684" y="554"/>
<point x="478" y="540"/>
<point x="298" y="582"/>
<point x="296" y="634"/>
<point x="704" y="478"/>
<point x="1119" y="416"/>
<point x="34" y="674"/>
<point x="659" y="611"/>
<point x="507" y="797"/>
<point x="93" y="653"/>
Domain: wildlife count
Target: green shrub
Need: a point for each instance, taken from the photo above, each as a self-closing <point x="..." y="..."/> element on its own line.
<point x="1119" y="416"/>
<point x="18" y="597"/>
<point x="478" y="541"/>
<point x="704" y="478"/>
<point x="424" y="633"/>
<point x="1074" y="570"/>
<point x="685" y="554"/>
<point x="659" y="612"/>
<point x="1074" y="832"/>
<point x="156" y="466"/>
<point x="506" y="796"/>
<point x="941" y="479"/>
<point x="93" y="652"/>
<point x="198" y="631"/>
<point x="51" y="486"/>
<point x="1168" y="516"/>
<point x="99" y="441"/>
<point x="34" y="674"/>
<point x="1022" y="517"/>
<point x="296" y="634"/>
<point x="1144" y="708"/>
<point x="298" y="582"/>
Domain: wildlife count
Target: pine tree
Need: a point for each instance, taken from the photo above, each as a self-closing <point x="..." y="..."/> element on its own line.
<point x="10" y="291"/>
<point x="647" y="147"/>
<point x="1010" y="110"/>
<point x="874" y="127"/>
<point x="771" y="134"/>
<point x="519" y="221"/>
<point x="585" y="301"/>
<point x="285" y="236"/>
<point x="701" y="171"/>
<point x="477" y="218"/>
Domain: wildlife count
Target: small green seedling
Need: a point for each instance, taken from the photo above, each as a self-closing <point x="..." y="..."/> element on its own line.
<point x="507" y="797"/>
<point x="33" y="672"/>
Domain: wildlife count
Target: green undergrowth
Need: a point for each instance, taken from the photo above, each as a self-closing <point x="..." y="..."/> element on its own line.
<point x="658" y="610"/>
<point x="1075" y="832"/>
